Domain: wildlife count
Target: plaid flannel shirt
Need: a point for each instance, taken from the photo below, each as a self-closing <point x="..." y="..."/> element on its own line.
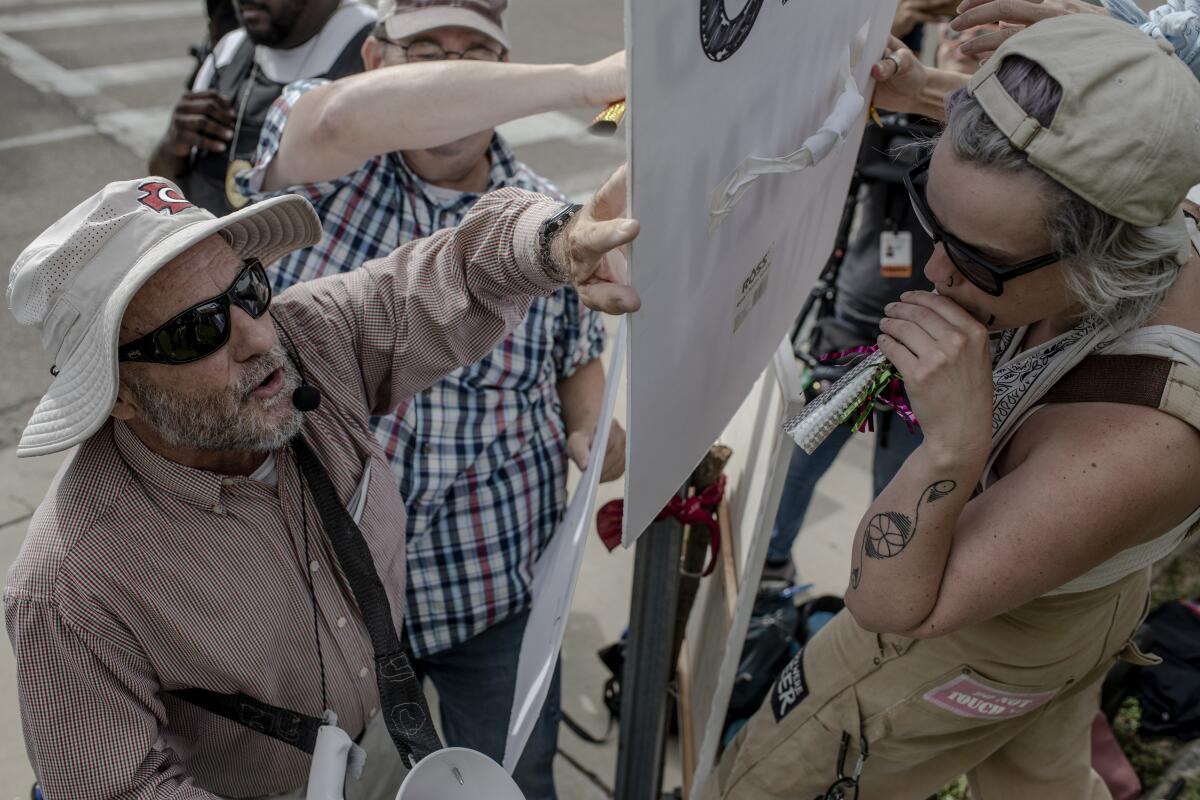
<point x="480" y="456"/>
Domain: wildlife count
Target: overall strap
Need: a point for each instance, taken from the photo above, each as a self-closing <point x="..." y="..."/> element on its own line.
<point x="349" y="61"/>
<point x="1170" y="386"/>
<point x="229" y="78"/>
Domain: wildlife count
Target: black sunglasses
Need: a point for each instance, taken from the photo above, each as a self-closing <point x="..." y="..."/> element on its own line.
<point x="204" y="328"/>
<point x="974" y="265"/>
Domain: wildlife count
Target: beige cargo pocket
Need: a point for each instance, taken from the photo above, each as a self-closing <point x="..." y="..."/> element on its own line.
<point x="802" y="764"/>
<point x="950" y="711"/>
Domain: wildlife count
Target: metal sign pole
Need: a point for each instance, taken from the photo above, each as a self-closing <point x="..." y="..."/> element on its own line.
<point x="648" y="667"/>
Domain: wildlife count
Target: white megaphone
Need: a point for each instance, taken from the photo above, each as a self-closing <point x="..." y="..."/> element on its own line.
<point x="457" y="773"/>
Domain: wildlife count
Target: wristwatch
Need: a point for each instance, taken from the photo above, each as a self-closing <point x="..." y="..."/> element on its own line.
<point x="547" y="232"/>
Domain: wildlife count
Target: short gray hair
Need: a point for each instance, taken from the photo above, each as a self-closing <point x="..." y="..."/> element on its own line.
<point x="1119" y="271"/>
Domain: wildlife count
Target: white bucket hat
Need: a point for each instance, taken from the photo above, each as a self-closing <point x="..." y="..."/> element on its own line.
<point x="76" y="279"/>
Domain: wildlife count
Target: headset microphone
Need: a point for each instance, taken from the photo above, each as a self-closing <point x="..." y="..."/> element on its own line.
<point x="306" y="397"/>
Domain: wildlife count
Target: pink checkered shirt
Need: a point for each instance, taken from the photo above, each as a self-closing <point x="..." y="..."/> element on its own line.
<point x="140" y="576"/>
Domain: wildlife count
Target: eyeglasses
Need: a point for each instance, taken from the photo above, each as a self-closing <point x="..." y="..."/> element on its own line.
<point x="974" y="265"/>
<point x="426" y="50"/>
<point x="839" y="789"/>
<point x="204" y="328"/>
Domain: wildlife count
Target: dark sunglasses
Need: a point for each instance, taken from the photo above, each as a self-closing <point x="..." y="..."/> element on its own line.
<point x="974" y="265"/>
<point x="204" y="328"/>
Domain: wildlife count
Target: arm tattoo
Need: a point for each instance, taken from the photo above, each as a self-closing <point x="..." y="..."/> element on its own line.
<point x="889" y="532"/>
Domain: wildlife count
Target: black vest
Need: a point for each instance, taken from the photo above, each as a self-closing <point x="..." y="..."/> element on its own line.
<point x="209" y="180"/>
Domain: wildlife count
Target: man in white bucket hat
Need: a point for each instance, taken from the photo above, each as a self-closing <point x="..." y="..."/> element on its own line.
<point x="213" y="586"/>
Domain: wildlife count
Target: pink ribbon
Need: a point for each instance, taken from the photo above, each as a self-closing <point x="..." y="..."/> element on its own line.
<point x="891" y="396"/>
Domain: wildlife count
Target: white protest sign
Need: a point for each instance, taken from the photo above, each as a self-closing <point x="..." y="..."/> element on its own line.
<point x="756" y="476"/>
<point x="745" y="120"/>
<point x="554" y="577"/>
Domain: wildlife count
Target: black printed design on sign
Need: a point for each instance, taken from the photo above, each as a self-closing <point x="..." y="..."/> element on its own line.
<point x="721" y="36"/>
<point x="791" y="688"/>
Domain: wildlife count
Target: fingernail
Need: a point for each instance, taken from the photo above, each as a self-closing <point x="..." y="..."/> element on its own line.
<point x="889" y="306"/>
<point x="228" y="134"/>
<point x="961" y="6"/>
<point x="628" y="226"/>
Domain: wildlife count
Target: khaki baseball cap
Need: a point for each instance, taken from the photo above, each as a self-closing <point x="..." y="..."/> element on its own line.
<point x="74" y="282"/>
<point x="1126" y="136"/>
<point x="404" y="18"/>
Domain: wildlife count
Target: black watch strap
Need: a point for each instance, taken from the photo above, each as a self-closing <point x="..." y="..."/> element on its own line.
<point x="546" y="236"/>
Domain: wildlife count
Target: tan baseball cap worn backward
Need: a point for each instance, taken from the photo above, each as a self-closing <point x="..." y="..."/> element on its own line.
<point x="404" y="18"/>
<point x="76" y="279"/>
<point x="1126" y="135"/>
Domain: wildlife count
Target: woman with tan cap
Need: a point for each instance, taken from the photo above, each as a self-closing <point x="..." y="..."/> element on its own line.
<point x="1005" y="568"/>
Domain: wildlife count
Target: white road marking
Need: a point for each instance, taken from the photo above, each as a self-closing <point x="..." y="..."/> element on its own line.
<point x="136" y="72"/>
<point x="139" y="129"/>
<point x="47" y="137"/>
<point x="85" y="16"/>
<point x="41" y="3"/>
<point x="40" y="72"/>
<point x="35" y="69"/>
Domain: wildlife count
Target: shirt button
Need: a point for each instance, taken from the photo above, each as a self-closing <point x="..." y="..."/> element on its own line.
<point x="227" y="482"/>
<point x="372" y="712"/>
<point x="364" y="672"/>
<point x="219" y="509"/>
<point x="341" y="622"/>
<point x="426" y="449"/>
<point x="313" y="566"/>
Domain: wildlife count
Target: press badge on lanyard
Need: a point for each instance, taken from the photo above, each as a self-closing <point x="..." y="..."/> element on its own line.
<point x="895" y="254"/>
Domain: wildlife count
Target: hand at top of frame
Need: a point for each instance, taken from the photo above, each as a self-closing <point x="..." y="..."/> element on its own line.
<point x="910" y="13"/>
<point x="586" y="249"/>
<point x="1014" y="16"/>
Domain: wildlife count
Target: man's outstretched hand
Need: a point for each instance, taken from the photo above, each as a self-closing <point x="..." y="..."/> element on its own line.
<point x="586" y="249"/>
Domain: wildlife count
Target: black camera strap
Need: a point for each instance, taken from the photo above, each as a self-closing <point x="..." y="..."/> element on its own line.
<point x="402" y="702"/>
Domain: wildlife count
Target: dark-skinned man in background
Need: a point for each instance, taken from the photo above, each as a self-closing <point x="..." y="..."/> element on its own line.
<point x="215" y="125"/>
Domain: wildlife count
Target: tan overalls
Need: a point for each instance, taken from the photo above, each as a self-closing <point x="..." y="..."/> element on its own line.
<point x="1009" y="701"/>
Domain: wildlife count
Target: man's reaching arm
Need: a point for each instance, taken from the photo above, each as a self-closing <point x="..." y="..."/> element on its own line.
<point x="407" y="320"/>
<point x="336" y="127"/>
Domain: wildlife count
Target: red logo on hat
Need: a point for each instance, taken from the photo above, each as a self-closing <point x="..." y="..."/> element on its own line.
<point x="161" y="197"/>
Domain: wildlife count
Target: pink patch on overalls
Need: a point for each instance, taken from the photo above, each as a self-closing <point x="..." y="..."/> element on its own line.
<point x="967" y="697"/>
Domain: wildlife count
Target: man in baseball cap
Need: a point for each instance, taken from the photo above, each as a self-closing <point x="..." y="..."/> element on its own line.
<point x="214" y="584"/>
<point x="403" y="19"/>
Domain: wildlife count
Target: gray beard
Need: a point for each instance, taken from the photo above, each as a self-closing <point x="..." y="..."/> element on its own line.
<point x="226" y="420"/>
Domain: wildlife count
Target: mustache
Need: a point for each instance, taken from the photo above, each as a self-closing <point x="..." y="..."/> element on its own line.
<point x="258" y="371"/>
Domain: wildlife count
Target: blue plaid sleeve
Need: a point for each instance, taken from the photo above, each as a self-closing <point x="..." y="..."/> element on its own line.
<point x="1177" y="21"/>
<point x="581" y="335"/>
<point x="249" y="182"/>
